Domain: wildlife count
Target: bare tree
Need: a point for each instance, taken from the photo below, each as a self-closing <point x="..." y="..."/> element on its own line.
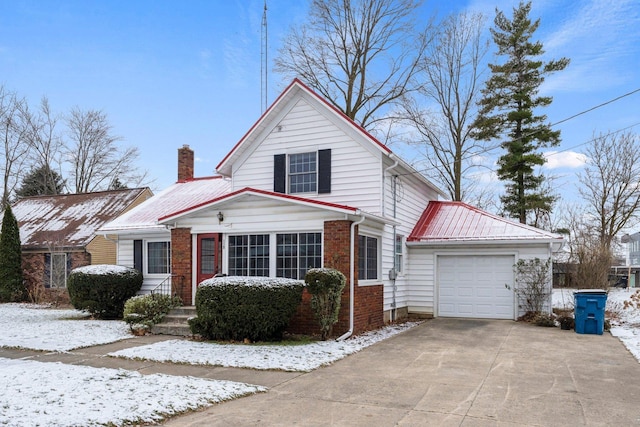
<point x="45" y="145"/>
<point x="94" y="155"/>
<point x="592" y="258"/>
<point x="362" y="55"/>
<point x="13" y="149"/>
<point x="452" y="72"/>
<point x="610" y="183"/>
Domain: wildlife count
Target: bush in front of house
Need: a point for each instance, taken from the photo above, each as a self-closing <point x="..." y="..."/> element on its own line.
<point x="141" y="312"/>
<point x="102" y="290"/>
<point x="240" y="308"/>
<point x="325" y="286"/>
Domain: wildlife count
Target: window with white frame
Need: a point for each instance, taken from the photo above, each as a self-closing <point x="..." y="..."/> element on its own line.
<point x="398" y="253"/>
<point x="367" y="258"/>
<point x="58" y="270"/>
<point x="302" y="173"/>
<point x="297" y="253"/>
<point x="249" y="255"/>
<point x="158" y="257"/>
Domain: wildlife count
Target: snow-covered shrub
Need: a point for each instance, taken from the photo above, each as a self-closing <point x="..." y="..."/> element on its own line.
<point x="239" y="308"/>
<point x="144" y="311"/>
<point x="103" y="289"/>
<point x="325" y="286"/>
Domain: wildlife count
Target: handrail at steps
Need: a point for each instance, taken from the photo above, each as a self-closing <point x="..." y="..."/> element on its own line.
<point x="166" y="287"/>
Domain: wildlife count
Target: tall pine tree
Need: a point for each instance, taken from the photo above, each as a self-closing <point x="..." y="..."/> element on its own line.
<point x="12" y="287"/>
<point x="507" y="112"/>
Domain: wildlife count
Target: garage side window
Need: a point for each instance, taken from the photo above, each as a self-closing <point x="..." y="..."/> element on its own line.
<point x="398" y="254"/>
<point x="367" y="258"/>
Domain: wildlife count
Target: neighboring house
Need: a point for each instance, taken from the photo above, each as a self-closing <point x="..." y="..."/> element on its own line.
<point x="307" y="187"/>
<point x="58" y="234"/>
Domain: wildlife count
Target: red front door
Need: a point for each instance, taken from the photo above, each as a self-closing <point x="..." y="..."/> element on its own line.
<point x="209" y="255"/>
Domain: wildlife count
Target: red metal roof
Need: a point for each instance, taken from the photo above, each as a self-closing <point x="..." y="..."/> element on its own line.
<point x="445" y="221"/>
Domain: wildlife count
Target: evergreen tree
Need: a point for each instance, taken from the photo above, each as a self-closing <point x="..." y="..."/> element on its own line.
<point x="507" y="111"/>
<point x="12" y="287"/>
<point x="41" y="181"/>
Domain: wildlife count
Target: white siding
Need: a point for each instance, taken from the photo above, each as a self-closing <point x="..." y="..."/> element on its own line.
<point x="421" y="288"/>
<point x="412" y="197"/>
<point x="355" y="170"/>
<point x="125" y="257"/>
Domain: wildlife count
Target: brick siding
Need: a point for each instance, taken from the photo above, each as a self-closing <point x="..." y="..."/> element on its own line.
<point x="368" y="302"/>
<point x="181" y="263"/>
<point x="33" y="269"/>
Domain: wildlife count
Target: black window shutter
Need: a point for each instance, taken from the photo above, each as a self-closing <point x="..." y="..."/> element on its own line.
<point x="47" y="270"/>
<point x="280" y="173"/>
<point x="69" y="268"/>
<point x="137" y="255"/>
<point x="324" y="171"/>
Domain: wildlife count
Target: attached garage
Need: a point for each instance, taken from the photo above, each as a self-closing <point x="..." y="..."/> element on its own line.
<point x="474" y="286"/>
<point x="461" y="262"/>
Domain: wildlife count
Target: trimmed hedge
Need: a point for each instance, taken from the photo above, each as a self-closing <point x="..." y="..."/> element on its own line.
<point x="102" y="290"/>
<point x="238" y="308"/>
<point x="325" y="286"/>
<point x="143" y="311"/>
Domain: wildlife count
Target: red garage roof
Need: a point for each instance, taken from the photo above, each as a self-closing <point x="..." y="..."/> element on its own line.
<point x="458" y="221"/>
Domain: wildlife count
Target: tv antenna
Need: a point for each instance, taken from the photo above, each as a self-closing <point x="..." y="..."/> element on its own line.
<point x="263" y="60"/>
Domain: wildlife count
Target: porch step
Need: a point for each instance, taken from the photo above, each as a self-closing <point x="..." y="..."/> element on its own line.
<point x="176" y="322"/>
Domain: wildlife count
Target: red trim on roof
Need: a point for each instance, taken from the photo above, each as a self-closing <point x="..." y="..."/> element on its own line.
<point x="258" y="191"/>
<point x="321" y="99"/>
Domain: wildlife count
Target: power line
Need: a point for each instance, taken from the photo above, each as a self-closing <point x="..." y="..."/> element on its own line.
<point x="489" y="149"/>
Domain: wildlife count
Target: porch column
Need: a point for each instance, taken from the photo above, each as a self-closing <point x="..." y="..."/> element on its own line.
<point x="181" y="263"/>
<point x="337" y="256"/>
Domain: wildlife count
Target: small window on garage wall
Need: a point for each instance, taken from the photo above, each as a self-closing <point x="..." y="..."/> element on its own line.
<point x="399" y="253"/>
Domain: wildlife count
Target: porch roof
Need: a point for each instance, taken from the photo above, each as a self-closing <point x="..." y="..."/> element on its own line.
<point x="180" y="196"/>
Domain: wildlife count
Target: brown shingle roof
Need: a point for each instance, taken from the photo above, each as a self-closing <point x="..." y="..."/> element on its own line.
<point x="69" y="220"/>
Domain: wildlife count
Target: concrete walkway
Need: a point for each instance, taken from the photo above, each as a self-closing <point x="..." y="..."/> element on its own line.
<point x="445" y="372"/>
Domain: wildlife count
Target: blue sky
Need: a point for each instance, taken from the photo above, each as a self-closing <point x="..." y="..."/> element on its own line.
<point x="169" y="73"/>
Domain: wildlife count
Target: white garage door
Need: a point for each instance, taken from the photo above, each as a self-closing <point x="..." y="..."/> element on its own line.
<point x="474" y="286"/>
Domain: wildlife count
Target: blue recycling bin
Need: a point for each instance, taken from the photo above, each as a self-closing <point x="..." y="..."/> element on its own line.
<point x="589" y="311"/>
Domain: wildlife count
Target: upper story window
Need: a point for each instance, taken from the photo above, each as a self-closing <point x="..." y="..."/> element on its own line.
<point x="303" y="173"/>
<point x="298" y="173"/>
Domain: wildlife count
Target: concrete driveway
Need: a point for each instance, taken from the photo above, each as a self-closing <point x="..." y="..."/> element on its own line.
<point x="454" y="372"/>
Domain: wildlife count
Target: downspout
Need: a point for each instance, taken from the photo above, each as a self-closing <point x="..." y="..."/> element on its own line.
<point x="394" y="272"/>
<point x="352" y="274"/>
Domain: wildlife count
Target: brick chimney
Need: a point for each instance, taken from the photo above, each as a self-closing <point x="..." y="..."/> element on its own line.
<point x="185" y="163"/>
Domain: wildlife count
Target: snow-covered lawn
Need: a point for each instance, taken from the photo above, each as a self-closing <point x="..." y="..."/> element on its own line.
<point x="302" y="358"/>
<point x="39" y="328"/>
<point x="55" y="394"/>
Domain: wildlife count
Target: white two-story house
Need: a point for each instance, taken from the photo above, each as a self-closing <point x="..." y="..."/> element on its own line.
<point x="307" y="187"/>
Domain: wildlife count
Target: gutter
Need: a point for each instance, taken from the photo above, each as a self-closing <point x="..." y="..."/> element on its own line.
<point x="351" y="278"/>
<point x="393" y="274"/>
